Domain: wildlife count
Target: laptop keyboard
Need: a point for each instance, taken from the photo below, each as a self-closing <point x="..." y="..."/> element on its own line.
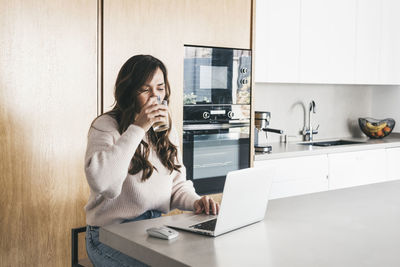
<point x="207" y="225"/>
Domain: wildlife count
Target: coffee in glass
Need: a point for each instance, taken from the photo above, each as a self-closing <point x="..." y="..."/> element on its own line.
<point x="161" y="126"/>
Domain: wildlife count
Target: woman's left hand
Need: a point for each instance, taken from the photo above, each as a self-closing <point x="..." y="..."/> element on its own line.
<point x="206" y="205"/>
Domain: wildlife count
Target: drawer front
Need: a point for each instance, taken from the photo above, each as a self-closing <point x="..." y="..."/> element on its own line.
<point x="356" y="168"/>
<point x="392" y="163"/>
<point x="296" y="176"/>
<point x="288" y="169"/>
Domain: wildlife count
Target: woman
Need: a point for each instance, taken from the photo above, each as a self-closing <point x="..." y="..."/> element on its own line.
<point x="133" y="172"/>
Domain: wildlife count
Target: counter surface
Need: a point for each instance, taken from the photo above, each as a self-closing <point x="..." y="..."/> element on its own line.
<point x="294" y="149"/>
<point x="356" y="226"/>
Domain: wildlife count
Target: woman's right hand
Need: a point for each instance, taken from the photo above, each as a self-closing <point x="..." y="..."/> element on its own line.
<point x="150" y="113"/>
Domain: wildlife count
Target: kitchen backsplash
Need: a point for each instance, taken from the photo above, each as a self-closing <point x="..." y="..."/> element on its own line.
<point x="386" y="103"/>
<point x="338" y="107"/>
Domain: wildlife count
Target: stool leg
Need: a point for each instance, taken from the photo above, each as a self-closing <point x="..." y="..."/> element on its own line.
<point x="74" y="245"/>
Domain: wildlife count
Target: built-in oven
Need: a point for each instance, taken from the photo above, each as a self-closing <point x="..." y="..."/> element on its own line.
<point x="216" y="145"/>
<point x="216" y="114"/>
<point x="216" y="76"/>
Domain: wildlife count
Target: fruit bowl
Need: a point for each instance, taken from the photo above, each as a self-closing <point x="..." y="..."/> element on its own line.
<point x="376" y="128"/>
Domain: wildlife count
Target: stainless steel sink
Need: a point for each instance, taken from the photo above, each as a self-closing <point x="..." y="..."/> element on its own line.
<point x="332" y="143"/>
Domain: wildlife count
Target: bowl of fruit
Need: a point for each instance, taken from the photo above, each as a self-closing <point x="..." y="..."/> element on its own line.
<point x="376" y="128"/>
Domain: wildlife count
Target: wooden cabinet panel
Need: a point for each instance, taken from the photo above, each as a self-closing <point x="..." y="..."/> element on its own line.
<point x="47" y="101"/>
<point x="161" y="28"/>
<point x="48" y="98"/>
<point x="296" y="176"/>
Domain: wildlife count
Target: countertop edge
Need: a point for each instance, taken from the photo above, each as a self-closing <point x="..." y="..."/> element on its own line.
<point x="290" y="150"/>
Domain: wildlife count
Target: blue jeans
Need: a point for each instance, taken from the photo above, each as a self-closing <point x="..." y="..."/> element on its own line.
<point x="102" y="255"/>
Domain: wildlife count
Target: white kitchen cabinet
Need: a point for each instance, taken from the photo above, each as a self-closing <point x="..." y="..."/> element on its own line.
<point x="368" y="43"/>
<point x="330" y="41"/>
<point x="392" y="163"/>
<point x="296" y="176"/>
<point x="378" y="42"/>
<point x="327" y="41"/>
<point x="277" y="41"/>
<point x="356" y="168"/>
<point x="390" y="38"/>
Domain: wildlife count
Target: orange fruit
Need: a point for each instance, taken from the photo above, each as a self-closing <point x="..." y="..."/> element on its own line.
<point x="386" y="129"/>
<point x="379" y="133"/>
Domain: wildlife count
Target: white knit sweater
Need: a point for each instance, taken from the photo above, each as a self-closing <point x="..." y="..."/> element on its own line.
<point x="116" y="195"/>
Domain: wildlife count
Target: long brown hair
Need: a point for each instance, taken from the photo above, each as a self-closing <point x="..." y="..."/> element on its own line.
<point x="132" y="76"/>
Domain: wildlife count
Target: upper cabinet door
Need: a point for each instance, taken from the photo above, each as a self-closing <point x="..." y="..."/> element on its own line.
<point x="378" y="42"/>
<point x="327" y="41"/>
<point x="390" y="49"/>
<point x="330" y="41"/>
<point x="368" y="43"/>
<point x="277" y="41"/>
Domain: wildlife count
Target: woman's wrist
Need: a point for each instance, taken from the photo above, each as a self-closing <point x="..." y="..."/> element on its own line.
<point x="143" y="127"/>
<point x="138" y="129"/>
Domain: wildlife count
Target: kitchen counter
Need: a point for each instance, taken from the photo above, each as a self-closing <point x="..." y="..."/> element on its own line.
<point x="356" y="226"/>
<point x="294" y="149"/>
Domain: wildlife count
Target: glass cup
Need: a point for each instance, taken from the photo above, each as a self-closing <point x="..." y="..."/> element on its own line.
<point x="161" y="126"/>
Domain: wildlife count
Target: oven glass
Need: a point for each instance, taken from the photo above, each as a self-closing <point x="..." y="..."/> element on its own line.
<point x="217" y="154"/>
<point x="216" y="75"/>
<point x="209" y="155"/>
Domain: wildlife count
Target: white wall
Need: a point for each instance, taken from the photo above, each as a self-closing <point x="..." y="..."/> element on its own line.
<point x="337" y="113"/>
<point x="386" y="103"/>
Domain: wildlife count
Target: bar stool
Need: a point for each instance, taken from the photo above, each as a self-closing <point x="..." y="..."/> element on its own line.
<point x="75" y="261"/>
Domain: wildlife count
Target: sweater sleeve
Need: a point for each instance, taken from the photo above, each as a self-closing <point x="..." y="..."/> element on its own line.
<point x="107" y="160"/>
<point x="183" y="193"/>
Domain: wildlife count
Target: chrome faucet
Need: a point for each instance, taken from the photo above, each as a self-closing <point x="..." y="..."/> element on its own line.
<point x="309" y="133"/>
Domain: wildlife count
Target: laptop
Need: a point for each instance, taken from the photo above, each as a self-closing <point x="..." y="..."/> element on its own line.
<point x="244" y="202"/>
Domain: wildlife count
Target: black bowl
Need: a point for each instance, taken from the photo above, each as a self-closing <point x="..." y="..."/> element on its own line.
<point x="377" y="129"/>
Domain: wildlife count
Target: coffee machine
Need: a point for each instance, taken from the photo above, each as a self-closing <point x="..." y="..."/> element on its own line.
<point x="262" y="119"/>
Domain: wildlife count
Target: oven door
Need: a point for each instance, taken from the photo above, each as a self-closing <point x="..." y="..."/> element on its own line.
<point x="215" y="75"/>
<point x="209" y="155"/>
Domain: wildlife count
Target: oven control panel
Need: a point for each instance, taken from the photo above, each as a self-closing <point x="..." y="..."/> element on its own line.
<point x="210" y="113"/>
